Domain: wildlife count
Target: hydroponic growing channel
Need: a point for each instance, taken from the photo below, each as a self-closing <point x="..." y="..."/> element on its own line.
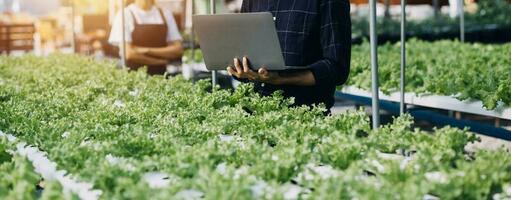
<point x="132" y="136"/>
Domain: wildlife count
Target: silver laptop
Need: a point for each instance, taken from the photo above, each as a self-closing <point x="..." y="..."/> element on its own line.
<point x="224" y="37"/>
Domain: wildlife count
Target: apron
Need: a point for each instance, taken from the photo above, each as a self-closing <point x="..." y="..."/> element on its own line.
<point x="149" y="36"/>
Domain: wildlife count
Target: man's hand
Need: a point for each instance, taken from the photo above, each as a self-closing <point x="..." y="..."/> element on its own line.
<point x="243" y="71"/>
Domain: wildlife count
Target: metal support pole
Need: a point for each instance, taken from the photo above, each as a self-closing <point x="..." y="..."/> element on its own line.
<point x="123" y="45"/>
<point x="192" y="34"/>
<point x="402" y="106"/>
<point x="73" y="26"/>
<point x="436" y="7"/>
<point x="462" y="20"/>
<point x="387" y="8"/>
<point x="374" y="64"/>
<point x="214" y="73"/>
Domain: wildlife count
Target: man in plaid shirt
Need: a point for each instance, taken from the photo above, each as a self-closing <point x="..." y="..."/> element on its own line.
<point x="313" y="33"/>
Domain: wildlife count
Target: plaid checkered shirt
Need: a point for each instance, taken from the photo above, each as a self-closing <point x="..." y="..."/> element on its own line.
<point x="314" y="33"/>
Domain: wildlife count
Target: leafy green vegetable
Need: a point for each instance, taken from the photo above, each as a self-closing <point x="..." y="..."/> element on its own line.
<point x="18" y="180"/>
<point x="139" y="137"/>
<point x="197" y="58"/>
<point x="451" y="68"/>
<point x="496" y="13"/>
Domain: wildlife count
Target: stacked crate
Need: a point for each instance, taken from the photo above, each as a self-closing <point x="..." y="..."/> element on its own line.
<point x="16" y="37"/>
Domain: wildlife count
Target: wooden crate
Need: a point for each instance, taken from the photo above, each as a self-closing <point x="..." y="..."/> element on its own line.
<point x="16" y="37"/>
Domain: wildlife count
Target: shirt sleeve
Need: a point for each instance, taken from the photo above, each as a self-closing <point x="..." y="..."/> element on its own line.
<point x="116" y="32"/>
<point x="173" y="33"/>
<point x="335" y="37"/>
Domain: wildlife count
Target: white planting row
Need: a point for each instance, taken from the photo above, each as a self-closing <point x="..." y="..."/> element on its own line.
<point x="437" y="101"/>
<point x="48" y="170"/>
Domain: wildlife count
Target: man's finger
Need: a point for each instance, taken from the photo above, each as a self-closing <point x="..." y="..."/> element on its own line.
<point x="231" y="71"/>
<point x="246" y="65"/>
<point x="234" y="73"/>
<point x="263" y="72"/>
<point x="237" y="65"/>
<point x="252" y="76"/>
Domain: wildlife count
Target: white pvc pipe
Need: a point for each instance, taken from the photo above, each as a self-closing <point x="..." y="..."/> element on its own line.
<point x="49" y="171"/>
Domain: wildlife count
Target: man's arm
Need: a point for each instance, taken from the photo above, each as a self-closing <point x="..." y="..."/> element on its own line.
<point x="304" y="78"/>
<point x="241" y="70"/>
<point x="133" y="55"/>
<point x="335" y="37"/>
<point x="173" y="51"/>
